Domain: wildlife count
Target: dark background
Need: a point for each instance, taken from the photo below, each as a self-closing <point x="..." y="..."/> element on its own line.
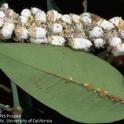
<point x="104" y="8"/>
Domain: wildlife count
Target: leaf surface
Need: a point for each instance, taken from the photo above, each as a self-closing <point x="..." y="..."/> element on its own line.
<point x="55" y="76"/>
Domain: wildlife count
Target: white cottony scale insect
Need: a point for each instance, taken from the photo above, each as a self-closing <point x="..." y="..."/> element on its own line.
<point x="26" y="12"/>
<point x="86" y="19"/>
<point x="10" y="16"/>
<point x="40" y="17"/>
<point x="81" y="43"/>
<point x="39" y="40"/>
<point x="21" y="33"/>
<point x="122" y="34"/>
<point x="7" y="30"/>
<point x="116" y="20"/>
<point x="96" y="32"/>
<point x="118" y="50"/>
<point x="5" y="6"/>
<point x="57" y="40"/>
<point x="57" y="28"/>
<point x="75" y="18"/>
<point x="87" y="14"/>
<point x="23" y="20"/>
<point x="2" y="15"/>
<point x="35" y="10"/>
<point x="66" y="19"/>
<point x="99" y="42"/>
<point x="121" y="49"/>
<point x="53" y="16"/>
<point x="1" y="22"/>
<point x="106" y="25"/>
<point x="37" y="32"/>
<point x="115" y="41"/>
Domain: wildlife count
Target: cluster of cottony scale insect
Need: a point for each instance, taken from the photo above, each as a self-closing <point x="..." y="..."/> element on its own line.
<point x="103" y="93"/>
<point x="83" y="31"/>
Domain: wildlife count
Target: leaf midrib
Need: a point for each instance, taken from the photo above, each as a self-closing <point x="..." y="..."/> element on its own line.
<point x="71" y="81"/>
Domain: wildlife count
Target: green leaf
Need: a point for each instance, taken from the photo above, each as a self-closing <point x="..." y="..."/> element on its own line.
<point x="55" y="76"/>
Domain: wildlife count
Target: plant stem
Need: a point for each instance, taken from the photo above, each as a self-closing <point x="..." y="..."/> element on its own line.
<point x="85" y="5"/>
<point x="5" y="88"/>
<point x="15" y="99"/>
<point x="51" y="4"/>
<point x="5" y="107"/>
